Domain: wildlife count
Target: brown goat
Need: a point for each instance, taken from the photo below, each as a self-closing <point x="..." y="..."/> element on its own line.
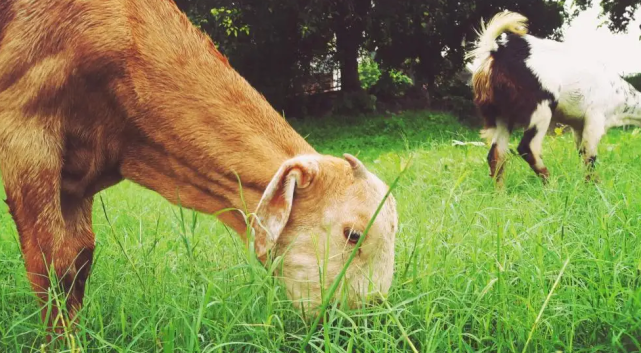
<point x="94" y="92"/>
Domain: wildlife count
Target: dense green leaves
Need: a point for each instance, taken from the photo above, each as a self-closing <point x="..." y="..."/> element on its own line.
<point x="425" y="37"/>
<point x="286" y="48"/>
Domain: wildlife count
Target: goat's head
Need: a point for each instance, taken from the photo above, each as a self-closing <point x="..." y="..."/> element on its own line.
<point x="312" y="214"/>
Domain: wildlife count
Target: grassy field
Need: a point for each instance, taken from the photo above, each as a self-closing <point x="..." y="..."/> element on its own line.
<point x="530" y="268"/>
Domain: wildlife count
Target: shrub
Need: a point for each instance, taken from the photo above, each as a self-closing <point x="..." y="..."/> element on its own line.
<point x="354" y="103"/>
<point x="400" y="78"/>
<point x="392" y="84"/>
<point x="368" y="72"/>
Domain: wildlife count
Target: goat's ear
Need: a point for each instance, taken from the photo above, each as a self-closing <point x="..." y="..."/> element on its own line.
<point x="275" y="205"/>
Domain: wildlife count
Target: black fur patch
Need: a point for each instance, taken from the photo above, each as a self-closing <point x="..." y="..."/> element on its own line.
<point x="517" y="91"/>
<point x="581" y="151"/>
<point x="524" y="146"/>
<point x="490" y="113"/>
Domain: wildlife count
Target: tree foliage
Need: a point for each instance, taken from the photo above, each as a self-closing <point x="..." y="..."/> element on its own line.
<point x="635" y="81"/>
<point x="280" y="46"/>
<point x="618" y="12"/>
<point x="265" y="40"/>
<point x="425" y="37"/>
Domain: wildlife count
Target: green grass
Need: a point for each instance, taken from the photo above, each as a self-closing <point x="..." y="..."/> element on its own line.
<point x="528" y="268"/>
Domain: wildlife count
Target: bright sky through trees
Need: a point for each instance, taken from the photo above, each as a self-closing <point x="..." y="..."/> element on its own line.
<point x="621" y="50"/>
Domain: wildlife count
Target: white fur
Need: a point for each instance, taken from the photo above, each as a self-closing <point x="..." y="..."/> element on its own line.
<point x="501" y="137"/>
<point x="540" y="119"/>
<point x="501" y="22"/>
<point x="581" y="85"/>
<point x="591" y="97"/>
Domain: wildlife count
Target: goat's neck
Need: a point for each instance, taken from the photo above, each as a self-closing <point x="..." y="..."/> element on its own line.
<point x="202" y="126"/>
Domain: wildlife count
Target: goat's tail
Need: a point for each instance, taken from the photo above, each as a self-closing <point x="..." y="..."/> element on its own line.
<point x="506" y="21"/>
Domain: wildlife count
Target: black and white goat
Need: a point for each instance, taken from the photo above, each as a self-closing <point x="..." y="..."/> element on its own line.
<point x="527" y="82"/>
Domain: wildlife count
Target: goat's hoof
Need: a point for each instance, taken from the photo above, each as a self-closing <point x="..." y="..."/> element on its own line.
<point x="592" y="178"/>
<point x="545" y="177"/>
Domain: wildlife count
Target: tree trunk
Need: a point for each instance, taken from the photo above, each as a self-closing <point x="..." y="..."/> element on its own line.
<point x="347" y="45"/>
<point x="349" y="26"/>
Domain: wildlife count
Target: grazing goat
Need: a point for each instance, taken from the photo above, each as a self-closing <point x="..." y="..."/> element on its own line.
<point x="529" y="82"/>
<point x="94" y="92"/>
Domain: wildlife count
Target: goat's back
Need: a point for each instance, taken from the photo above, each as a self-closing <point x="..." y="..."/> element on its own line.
<point x="108" y="76"/>
<point x="579" y="80"/>
<point x="46" y="44"/>
<point x="43" y="43"/>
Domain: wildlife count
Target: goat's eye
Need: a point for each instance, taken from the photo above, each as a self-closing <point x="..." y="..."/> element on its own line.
<point x="352" y="235"/>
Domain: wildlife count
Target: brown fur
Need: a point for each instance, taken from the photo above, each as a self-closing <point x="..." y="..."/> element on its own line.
<point x="95" y="92"/>
<point x="482" y="83"/>
<point x="6" y="16"/>
<point x="507" y="101"/>
<point x="490" y="77"/>
<point x="496" y="163"/>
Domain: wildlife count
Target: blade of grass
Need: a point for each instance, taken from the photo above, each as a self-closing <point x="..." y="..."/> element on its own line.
<point x="545" y="304"/>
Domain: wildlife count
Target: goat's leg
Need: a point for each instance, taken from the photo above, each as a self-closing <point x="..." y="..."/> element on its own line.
<point x="79" y="242"/>
<point x="34" y="203"/>
<point x="500" y="137"/>
<point x="31" y="163"/>
<point x="592" y="134"/>
<point x="531" y="144"/>
<point x="578" y="139"/>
